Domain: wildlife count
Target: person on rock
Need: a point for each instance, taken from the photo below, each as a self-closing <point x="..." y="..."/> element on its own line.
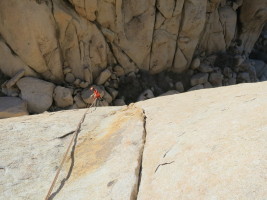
<point x="96" y="95"/>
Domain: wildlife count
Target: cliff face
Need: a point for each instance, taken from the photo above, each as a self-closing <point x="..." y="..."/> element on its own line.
<point x="208" y="144"/>
<point x="44" y="37"/>
<point x="78" y="43"/>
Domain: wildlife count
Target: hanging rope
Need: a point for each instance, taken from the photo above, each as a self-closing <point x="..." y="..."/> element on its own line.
<point x="75" y="134"/>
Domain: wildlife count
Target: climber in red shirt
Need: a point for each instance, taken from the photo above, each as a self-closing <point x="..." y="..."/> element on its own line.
<point x="96" y="94"/>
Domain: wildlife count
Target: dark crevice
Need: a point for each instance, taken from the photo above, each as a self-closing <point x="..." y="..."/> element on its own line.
<point x="130" y="59"/>
<point x="110" y="45"/>
<point x="178" y="33"/>
<point x="152" y="39"/>
<point x="223" y="29"/>
<point x="72" y="160"/>
<point x="69" y="4"/>
<point x="142" y="156"/>
<point x="174" y="7"/>
<point x="69" y="173"/>
<point x="12" y="51"/>
<point x="106" y="39"/>
<point x="238" y="23"/>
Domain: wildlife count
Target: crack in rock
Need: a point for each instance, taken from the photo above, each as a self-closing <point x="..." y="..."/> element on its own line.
<point x="167" y="163"/>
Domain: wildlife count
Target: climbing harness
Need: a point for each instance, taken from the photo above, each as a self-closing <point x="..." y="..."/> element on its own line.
<point x="75" y="134"/>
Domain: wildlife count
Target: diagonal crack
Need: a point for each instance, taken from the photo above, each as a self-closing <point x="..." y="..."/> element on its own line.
<point x="142" y="155"/>
<point x="167" y="163"/>
<point x="66" y="135"/>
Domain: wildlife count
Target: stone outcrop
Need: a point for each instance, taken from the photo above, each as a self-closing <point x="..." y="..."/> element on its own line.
<point x="105" y="174"/>
<point x="46" y="37"/>
<point x="37" y="93"/>
<point x="12" y="107"/>
<point x="80" y="43"/>
<point x="208" y="144"/>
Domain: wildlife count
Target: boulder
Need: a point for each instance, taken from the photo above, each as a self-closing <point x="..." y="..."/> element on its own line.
<point x="114" y="93"/>
<point x="87" y="96"/>
<point x="77" y="82"/>
<point x="107" y="96"/>
<point x="63" y="96"/>
<point x="37" y="93"/>
<point x="69" y="77"/>
<point x="147" y="94"/>
<point x="179" y="87"/>
<point x="195" y="63"/>
<point x="84" y="84"/>
<point x="238" y="60"/>
<point x="227" y="72"/>
<point x="216" y="79"/>
<point x="199" y="78"/>
<point x="103" y="77"/>
<point x="232" y="81"/>
<point x="205" y="68"/>
<point x="243" y="77"/>
<point x="261" y="68"/>
<point x="12" y="107"/>
<point x="79" y="101"/>
<point x="119" y="71"/>
<point x="89" y="99"/>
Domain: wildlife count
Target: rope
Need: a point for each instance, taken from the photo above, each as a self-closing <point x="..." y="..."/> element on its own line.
<point x="68" y="149"/>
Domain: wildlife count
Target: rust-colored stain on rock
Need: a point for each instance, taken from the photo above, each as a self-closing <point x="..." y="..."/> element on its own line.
<point x="94" y="148"/>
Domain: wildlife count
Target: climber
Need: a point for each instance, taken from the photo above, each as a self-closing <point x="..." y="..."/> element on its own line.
<point x="96" y="95"/>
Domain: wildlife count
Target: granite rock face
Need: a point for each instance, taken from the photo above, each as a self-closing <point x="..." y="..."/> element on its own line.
<point x="104" y="164"/>
<point x="208" y="144"/>
<point x="79" y="43"/>
<point x="87" y="36"/>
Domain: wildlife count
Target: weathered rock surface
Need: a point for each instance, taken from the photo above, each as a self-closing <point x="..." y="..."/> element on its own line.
<point x="103" y="77"/>
<point x="47" y="37"/>
<point x="12" y="107"/>
<point x="63" y="96"/>
<point x="208" y="144"/>
<point x="37" y="93"/>
<point x="104" y="164"/>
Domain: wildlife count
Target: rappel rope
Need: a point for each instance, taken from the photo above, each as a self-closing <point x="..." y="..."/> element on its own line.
<point x="75" y="134"/>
